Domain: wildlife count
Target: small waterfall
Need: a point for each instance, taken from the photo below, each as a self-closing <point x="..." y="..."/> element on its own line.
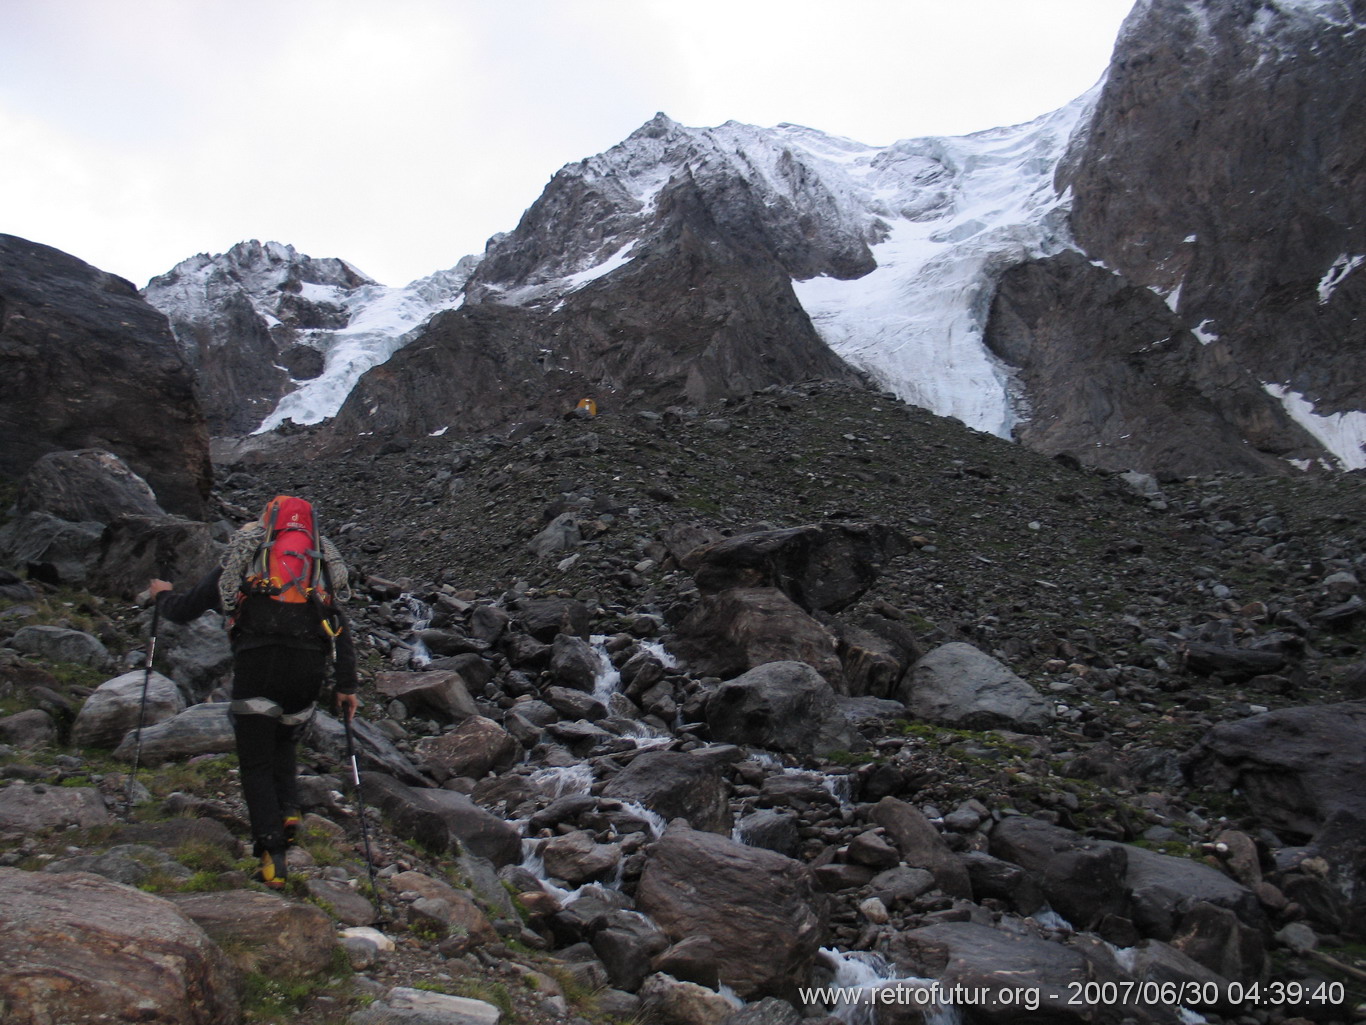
<point x="608" y="680"/>
<point x="563" y="781"/>
<point x="420" y="613"/>
<point x="858" y="974"/>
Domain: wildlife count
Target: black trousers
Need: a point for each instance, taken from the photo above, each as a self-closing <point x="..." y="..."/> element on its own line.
<point x="270" y="683"/>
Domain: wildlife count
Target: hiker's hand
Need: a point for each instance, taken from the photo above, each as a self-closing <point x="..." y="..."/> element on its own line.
<point x="157" y="586"/>
<point x="347" y="705"/>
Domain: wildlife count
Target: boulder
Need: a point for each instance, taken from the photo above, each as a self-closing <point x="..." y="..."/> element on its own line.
<point x="577" y="858"/>
<point x="134" y="549"/>
<point x="28" y="729"/>
<point x="824" y="567"/>
<point x="1008" y="972"/>
<point x="52" y="550"/>
<point x="374" y="751"/>
<point x="755" y="916"/>
<point x="545" y="618"/>
<point x="79" y="949"/>
<point x="674" y="1002"/>
<point x="345" y="904"/>
<point x="625" y="942"/>
<point x="957" y="685"/>
<point x="117" y="706"/>
<point x="454" y="910"/>
<point x="1294" y="766"/>
<point x="37" y="807"/>
<point x="782" y="706"/>
<point x="676" y="784"/>
<point x="1299" y="770"/>
<point x="1214" y="937"/>
<point x="1082" y="880"/>
<point x="86" y="361"/>
<point x="58" y="644"/>
<point x="737" y="630"/>
<point x="574" y="704"/>
<point x="1163" y="888"/>
<point x="264" y="931"/>
<point x="82" y="485"/>
<point x="1001" y="880"/>
<point x="441" y="693"/>
<point x="198" y="655"/>
<point x="443" y="820"/>
<point x="199" y="730"/>
<point x="574" y="663"/>
<point x="771" y="829"/>
<point x="473" y="749"/>
<point x="921" y="845"/>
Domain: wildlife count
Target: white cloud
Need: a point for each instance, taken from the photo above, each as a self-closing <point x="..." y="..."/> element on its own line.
<point x="401" y="135"/>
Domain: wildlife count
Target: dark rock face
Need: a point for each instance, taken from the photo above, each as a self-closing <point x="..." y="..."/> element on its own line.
<point x="698" y="314"/>
<point x="1224" y="160"/>
<point x="1115" y="379"/>
<point x="86" y="363"/>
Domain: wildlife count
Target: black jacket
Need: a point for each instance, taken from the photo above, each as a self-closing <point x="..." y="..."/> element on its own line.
<point x="204" y="597"/>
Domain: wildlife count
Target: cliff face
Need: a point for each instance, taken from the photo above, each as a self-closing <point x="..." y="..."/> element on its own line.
<point x="1217" y="194"/>
<point x="1225" y="168"/>
<point x="86" y="363"/>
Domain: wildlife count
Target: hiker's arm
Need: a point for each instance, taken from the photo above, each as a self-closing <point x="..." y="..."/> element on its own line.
<point x="185" y="608"/>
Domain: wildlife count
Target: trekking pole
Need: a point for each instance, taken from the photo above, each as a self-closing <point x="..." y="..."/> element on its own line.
<point x="142" y="705"/>
<point x="360" y="804"/>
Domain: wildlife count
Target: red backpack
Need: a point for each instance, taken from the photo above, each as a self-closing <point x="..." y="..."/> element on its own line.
<point x="286" y="590"/>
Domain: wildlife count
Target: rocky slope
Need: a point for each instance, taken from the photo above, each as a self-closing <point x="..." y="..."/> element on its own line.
<point x="1163" y="717"/>
<point x="85" y="363"/>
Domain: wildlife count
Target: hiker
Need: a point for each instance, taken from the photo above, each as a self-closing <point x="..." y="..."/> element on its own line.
<point x="279" y="585"/>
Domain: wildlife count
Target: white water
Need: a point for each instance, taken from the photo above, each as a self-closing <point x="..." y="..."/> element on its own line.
<point x="864" y="972"/>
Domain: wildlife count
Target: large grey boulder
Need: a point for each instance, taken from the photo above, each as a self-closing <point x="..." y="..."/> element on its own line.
<point x="676" y="784"/>
<point x="37" y="807"/>
<point x="78" y="948"/>
<point x="374" y="751"/>
<point x="197" y="655"/>
<point x="1019" y="977"/>
<point x="443" y="820"/>
<point x="1083" y="880"/>
<point x="59" y="644"/>
<point x="134" y="549"/>
<point x="442" y="693"/>
<point x="473" y="749"/>
<point x="754" y="916"/>
<point x="1163" y="889"/>
<point x="746" y="627"/>
<point x="199" y="730"/>
<point x="52" y="549"/>
<point x="117" y="706"/>
<point x="83" y="485"/>
<point x="782" y="706"/>
<point x="958" y="685"/>
<point x="1300" y="769"/>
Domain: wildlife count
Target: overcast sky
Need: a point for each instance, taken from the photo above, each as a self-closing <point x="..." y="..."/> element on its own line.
<point x="400" y="134"/>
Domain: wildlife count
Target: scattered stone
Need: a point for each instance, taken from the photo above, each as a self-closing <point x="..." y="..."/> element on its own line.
<point x="957" y="685"/>
<point x="115" y="708"/>
<point x="57" y="644"/>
